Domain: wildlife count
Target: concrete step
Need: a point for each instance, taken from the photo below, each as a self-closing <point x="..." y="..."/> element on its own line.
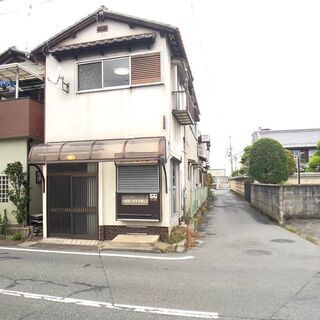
<point x="137" y="241"/>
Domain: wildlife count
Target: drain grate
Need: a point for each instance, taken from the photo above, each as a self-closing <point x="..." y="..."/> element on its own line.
<point x="282" y="240"/>
<point x="257" y="252"/>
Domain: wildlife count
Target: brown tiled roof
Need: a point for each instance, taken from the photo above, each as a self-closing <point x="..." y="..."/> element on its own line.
<point x="93" y="44"/>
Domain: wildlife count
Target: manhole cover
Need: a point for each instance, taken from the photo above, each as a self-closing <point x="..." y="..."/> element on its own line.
<point x="257" y="252"/>
<point x="282" y="240"/>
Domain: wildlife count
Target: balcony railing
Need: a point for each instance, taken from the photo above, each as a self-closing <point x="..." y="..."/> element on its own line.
<point x="183" y="108"/>
<point x="203" y="151"/>
<point x="23" y="117"/>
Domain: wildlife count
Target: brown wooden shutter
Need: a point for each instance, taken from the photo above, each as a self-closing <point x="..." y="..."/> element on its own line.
<point x="145" y="68"/>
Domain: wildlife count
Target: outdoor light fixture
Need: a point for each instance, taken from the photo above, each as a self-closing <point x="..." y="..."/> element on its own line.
<point x="121" y="71"/>
<point x="71" y="157"/>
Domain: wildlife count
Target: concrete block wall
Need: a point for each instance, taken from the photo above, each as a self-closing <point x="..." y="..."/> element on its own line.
<point x="301" y="201"/>
<point x="285" y="202"/>
<point x="267" y="198"/>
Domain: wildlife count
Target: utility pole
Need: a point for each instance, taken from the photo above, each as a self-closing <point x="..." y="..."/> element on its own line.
<point x="231" y="155"/>
<point x="298" y="168"/>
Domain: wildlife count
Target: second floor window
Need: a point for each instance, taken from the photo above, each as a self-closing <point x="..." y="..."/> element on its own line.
<point x="118" y="72"/>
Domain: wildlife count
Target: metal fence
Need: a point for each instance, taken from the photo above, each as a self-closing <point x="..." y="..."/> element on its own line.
<point x="198" y="197"/>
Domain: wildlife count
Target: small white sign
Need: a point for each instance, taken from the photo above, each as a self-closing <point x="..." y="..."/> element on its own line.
<point x="153" y="196"/>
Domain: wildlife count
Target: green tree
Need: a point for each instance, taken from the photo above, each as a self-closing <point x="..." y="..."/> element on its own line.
<point x="209" y="181"/>
<point x="292" y="167"/>
<point x="268" y="162"/>
<point x="245" y="159"/>
<point x="314" y="162"/>
<point x="19" y="190"/>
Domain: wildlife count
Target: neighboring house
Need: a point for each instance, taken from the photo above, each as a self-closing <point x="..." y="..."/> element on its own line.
<point x="302" y="142"/>
<point x="21" y="121"/>
<point x="220" y="178"/>
<point x="121" y="142"/>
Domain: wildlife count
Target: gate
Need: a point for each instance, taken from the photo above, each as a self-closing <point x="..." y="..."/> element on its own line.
<point x="72" y="197"/>
<point x="247" y="191"/>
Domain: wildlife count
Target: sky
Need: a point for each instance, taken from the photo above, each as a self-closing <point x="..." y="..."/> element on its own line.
<point x="256" y="63"/>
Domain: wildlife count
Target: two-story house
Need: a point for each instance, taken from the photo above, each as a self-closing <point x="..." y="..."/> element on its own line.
<point x="21" y="122"/>
<point x="120" y="128"/>
<point x="302" y="142"/>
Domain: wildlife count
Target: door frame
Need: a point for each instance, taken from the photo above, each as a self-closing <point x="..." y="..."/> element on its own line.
<point x="71" y="175"/>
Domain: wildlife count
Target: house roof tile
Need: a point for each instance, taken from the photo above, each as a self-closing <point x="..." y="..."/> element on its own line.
<point x="296" y="138"/>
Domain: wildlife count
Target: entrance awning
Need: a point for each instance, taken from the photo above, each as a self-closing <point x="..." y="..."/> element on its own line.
<point x="133" y="149"/>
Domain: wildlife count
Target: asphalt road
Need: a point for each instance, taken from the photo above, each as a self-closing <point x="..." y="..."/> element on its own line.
<point x="246" y="268"/>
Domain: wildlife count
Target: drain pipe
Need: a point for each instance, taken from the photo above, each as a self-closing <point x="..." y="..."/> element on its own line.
<point x="29" y="141"/>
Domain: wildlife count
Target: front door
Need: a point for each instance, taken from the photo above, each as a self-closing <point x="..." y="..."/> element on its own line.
<point x="73" y="200"/>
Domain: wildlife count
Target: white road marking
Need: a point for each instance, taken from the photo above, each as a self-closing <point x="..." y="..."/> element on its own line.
<point x="103" y="254"/>
<point x="123" y="307"/>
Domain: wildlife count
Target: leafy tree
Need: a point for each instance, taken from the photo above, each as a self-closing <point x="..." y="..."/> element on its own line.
<point x="268" y="162"/>
<point x="292" y="168"/>
<point x="209" y="181"/>
<point x="314" y="162"/>
<point x="245" y="159"/>
<point x="19" y="190"/>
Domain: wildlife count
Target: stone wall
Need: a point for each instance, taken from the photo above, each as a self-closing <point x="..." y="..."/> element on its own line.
<point x="288" y="201"/>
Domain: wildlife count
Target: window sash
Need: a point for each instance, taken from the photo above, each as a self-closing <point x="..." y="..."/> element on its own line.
<point x="130" y="83"/>
<point x="85" y="76"/>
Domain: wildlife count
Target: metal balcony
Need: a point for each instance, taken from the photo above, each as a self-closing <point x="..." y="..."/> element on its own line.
<point x="183" y="108"/>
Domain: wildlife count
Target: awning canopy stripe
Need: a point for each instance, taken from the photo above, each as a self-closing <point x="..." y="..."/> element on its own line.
<point x="133" y="149"/>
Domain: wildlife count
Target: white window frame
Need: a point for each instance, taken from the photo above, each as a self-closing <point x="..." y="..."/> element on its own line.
<point x="2" y="190"/>
<point x="88" y="61"/>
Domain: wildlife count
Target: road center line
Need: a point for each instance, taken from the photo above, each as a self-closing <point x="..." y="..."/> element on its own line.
<point x="122" y="307"/>
<point x="103" y="254"/>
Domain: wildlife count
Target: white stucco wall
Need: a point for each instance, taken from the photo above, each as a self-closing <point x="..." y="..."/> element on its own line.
<point x="115" y="29"/>
<point x="105" y="114"/>
<point x="12" y="150"/>
<point x="143" y="111"/>
<point x="107" y="214"/>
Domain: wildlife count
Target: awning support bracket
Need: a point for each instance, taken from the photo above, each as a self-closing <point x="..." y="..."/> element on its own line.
<point x="43" y="180"/>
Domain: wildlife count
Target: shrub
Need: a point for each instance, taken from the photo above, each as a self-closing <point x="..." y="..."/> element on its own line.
<point x="314" y="164"/>
<point x="17" y="236"/>
<point x="235" y="173"/>
<point x="292" y="168"/>
<point x="177" y="234"/>
<point x="19" y="191"/>
<point x="3" y="222"/>
<point x="268" y="162"/>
